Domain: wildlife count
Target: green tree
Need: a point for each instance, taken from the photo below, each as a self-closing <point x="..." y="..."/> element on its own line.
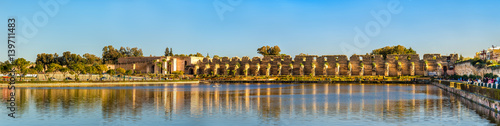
<point x="163" y="68"/>
<point x="45" y="59"/>
<point x="64" y="70"/>
<point x="21" y="65"/>
<point x="69" y="58"/>
<point x="120" y="71"/>
<point x="111" y="72"/>
<point x="267" y="50"/>
<point x="129" y="72"/>
<point x="110" y="54"/>
<point x="38" y="68"/>
<point x="275" y="50"/>
<point x="91" y="58"/>
<point x="264" y="50"/>
<point x="78" y="68"/>
<point x="136" y="52"/>
<point x="100" y="69"/>
<point x="196" y="55"/>
<point x="159" y="64"/>
<point x="90" y="70"/>
<point x="393" y="50"/>
<point x="53" y="68"/>
<point x="490" y="75"/>
<point x="167" y="52"/>
<point x="5" y="67"/>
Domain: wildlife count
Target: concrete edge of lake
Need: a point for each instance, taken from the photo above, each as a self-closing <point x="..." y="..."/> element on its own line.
<point x="475" y="97"/>
<point x="90" y="84"/>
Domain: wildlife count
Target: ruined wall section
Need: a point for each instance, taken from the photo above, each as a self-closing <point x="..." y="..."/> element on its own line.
<point x="355" y="65"/>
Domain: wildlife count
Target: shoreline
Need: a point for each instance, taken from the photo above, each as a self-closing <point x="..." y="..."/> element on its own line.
<point x="280" y="81"/>
<point x="92" y="84"/>
<point x="126" y="83"/>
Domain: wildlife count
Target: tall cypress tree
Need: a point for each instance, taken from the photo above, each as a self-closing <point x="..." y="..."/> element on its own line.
<point x="167" y="52"/>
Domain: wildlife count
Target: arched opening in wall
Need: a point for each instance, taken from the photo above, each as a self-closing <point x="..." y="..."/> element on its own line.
<point x="434" y="58"/>
<point x="396" y="58"/>
<point x="336" y="58"/>
<point x="360" y="58"/>
<point x="303" y="59"/>
<point x="185" y="63"/>
<point x="190" y="71"/>
<point x="373" y="58"/>
<point x="153" y="69"/>
<point x="314" y="58"/>
<point x="325" y="59"/>
<point x="409" y="58"/>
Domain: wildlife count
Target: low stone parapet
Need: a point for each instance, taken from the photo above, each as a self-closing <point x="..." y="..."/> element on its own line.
<point x="482" y="95"/>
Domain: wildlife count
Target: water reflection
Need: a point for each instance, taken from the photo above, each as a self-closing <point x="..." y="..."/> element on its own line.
<point x="245" y="104"/>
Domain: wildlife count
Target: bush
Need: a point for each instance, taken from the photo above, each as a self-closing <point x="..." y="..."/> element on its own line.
<point x="490" y="75"/>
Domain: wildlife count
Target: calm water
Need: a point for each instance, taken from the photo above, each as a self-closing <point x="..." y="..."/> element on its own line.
<point x="242" y="104"/>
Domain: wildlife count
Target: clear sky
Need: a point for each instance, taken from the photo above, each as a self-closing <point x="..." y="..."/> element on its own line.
<point x="319" y="27"/>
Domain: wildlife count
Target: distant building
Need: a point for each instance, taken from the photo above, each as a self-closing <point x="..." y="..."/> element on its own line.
<point x="157" y="64"/>
<point x="492" y="53"/>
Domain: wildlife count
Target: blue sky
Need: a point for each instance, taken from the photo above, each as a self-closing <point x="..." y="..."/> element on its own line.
<point x="318" y="27"/>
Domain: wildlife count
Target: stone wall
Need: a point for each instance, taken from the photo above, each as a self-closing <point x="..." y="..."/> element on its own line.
<point x="355" y="65"/>
<point x="159" y="66"/>
<point x="465" y="68"/>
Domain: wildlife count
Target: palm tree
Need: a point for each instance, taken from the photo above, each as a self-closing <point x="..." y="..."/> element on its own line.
<point x="163" y="60"/>
<point x="159" y="64"/>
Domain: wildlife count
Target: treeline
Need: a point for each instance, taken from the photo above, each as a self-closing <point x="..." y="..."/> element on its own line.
<point x="75" y="64"/>
<point x="111" y="55"/>
<point x="399" y="49"/>
<point x="71" y="63"/>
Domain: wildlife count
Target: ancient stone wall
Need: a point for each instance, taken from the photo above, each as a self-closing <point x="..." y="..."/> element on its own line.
<point x="466" y="68"/>
<point x="341" y="65"/>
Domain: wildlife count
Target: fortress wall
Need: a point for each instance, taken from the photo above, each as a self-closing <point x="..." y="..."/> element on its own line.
<point x="255" y="66"/>
<point x="143" y="67"/>
<point x="258" y="66"/>
<point x="235" y="63"/>
<point x="367" y="62"/>
<point x="355" y="62"/>
<point x="378" y="69"/>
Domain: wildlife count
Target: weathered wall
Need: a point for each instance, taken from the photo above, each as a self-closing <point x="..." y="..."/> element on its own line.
<point x="360" y="65"/>
<point x="150" y="64"/>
